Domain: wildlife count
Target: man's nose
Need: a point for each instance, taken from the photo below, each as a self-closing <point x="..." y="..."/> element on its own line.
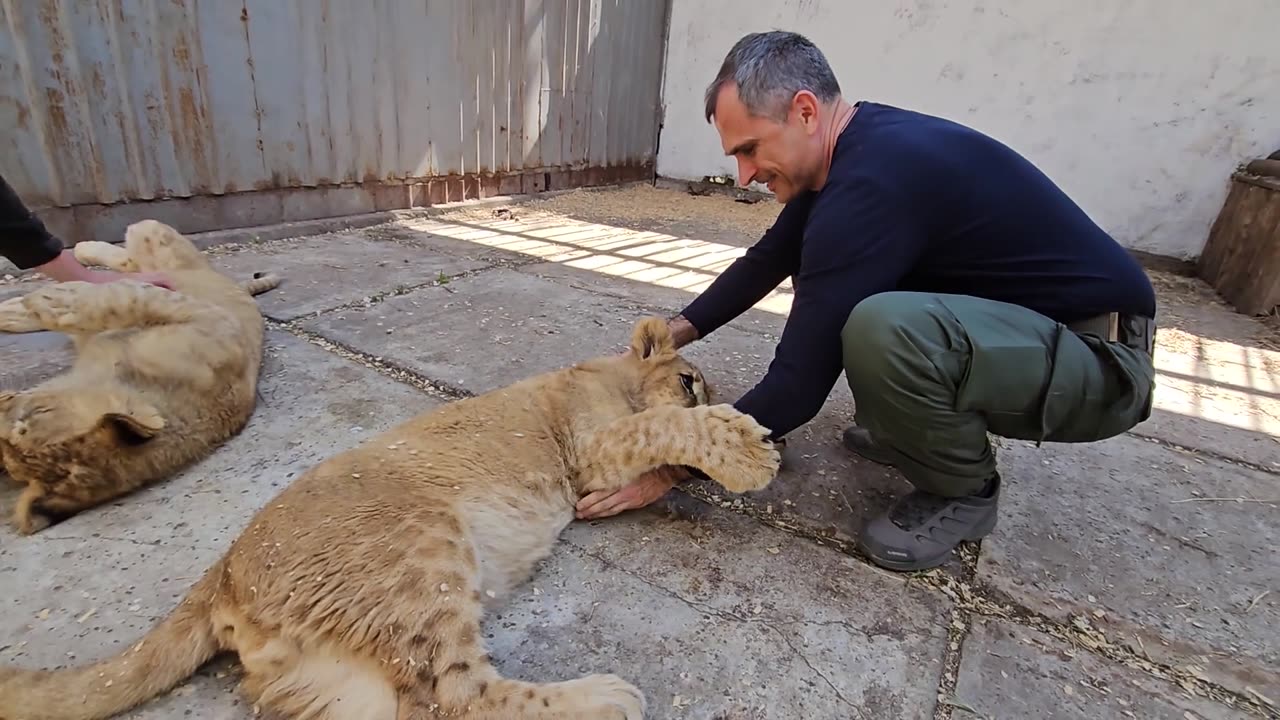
<point x="746" y="172"/>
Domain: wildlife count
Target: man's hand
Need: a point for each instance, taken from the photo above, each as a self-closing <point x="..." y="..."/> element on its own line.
<point x="151" y="278"/>
<point x="682" y="333"/>
<point x="645" y="490"/>
<point x="65" y="268"/>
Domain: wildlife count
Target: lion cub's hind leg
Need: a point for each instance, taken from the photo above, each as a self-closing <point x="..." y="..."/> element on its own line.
<point x="591" y="697"/>
<point x="112" y="257"/>
<point x="411" y="630"/>
<point x="450" y="674"/>
<point x="27" y="519"/>
<point x="728" y="445"/>
<point x="320" y="683"/>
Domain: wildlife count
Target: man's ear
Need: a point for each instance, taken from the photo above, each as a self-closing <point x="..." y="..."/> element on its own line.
<point x="806" y="107"/>
<point x="651" y="338"/>
<point x="135" y="424"/>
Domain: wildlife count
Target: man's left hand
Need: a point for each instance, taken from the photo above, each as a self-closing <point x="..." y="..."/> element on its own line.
<point x="646" y="490"/>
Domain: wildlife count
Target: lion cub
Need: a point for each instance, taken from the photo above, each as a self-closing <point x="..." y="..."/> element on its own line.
<point x="357" y="593"/>
<point x="160" y="378"/>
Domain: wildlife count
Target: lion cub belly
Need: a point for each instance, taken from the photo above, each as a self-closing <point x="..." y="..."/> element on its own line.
<point x="510" y="538"/>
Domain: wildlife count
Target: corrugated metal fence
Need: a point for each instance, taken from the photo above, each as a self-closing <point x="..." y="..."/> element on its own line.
<point x="105" y="101"/>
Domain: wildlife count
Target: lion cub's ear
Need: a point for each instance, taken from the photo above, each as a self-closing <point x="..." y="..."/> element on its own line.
<point x="650" y="338"/>
<point x="6" y="399"/>
<point x="135" y="424"/>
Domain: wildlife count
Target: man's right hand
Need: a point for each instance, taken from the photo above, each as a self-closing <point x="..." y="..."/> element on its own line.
<point x="643" y="491"/>
<point x="682" y="331"/>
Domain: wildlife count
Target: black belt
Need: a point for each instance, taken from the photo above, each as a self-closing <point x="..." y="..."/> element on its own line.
<point x="1135" y="331"/>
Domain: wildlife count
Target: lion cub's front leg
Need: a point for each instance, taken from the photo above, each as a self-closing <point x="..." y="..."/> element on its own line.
<point x="81" y="307"/>
<point x="729" y="446"/>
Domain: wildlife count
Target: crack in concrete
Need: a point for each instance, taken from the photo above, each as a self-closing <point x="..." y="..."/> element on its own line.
<point x="958" y="626"/>
<point x="1230" y="460"/>
<point x="441" y="281"/>
<point x="145" y="543"/>
<point x="391" y="370"/>
<point x="705" y="609"/>
<point x="805" y="659"/>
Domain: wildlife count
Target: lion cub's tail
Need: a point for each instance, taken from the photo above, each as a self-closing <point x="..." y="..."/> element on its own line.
<point x="261" y="283"/>
<point x="173" y="650"/>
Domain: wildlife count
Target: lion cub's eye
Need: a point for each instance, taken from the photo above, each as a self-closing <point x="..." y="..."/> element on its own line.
<point x="687" y="381"/>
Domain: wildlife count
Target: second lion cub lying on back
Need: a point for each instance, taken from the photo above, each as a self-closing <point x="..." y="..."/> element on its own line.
<point x="160" y="378"/>
<point x="357" y="593"/>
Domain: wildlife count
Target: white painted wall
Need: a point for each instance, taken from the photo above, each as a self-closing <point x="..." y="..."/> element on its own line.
<point x="1139" y="109"/>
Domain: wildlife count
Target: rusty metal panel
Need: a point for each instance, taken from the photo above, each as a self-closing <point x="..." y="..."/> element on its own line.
<point x="108" y="101"/>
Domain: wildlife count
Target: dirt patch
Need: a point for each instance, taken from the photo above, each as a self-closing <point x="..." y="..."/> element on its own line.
<point x="1190" y="306"/>
<point x="637" y="206"/>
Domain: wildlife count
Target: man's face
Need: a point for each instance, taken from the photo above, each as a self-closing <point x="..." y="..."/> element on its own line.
<point x="784" y="156"/>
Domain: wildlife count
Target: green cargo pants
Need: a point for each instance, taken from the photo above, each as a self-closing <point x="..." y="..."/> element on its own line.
<point x="932" y="374"/>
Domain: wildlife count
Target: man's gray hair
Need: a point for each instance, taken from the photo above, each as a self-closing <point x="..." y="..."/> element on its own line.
<point x="769" y="68"/>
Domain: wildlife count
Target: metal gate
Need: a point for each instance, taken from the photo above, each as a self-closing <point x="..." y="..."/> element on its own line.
<point x="390" y="103"/>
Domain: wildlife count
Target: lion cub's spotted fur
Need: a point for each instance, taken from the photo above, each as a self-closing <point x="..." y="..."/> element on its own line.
<point x="160" y="378"/>
<point x="357" y="593"/>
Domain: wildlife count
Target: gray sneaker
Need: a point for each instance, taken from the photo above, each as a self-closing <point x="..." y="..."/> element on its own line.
<point x="920" y="530"/>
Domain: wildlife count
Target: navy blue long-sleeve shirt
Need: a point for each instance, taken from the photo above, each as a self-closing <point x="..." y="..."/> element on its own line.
<point x="914" y="202"/>
<point x="24" y="240"/>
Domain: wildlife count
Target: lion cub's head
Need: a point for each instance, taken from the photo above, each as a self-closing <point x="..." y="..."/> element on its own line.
<point x="71" y="429"/>
<point x="666" y="378"/>
<point x="157" y="246"/>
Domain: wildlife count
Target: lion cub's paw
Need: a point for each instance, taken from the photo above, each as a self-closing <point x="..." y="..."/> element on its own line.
<point x="16" y="318"/>
<point x="30" y="522"/>
<point x="103" y="254"/>
<point x="607" y="697"/>
<point x="748" y="459"/>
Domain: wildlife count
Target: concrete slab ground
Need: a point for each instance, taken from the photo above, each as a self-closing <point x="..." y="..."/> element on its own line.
<point x="1130" y="578"/>
<point x="1010" y="671"/>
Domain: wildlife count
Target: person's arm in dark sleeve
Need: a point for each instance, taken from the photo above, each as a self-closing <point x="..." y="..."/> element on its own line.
<point x="774" y="258"/>
<point x="859" y="242"/>
<point x="24" y="240"/>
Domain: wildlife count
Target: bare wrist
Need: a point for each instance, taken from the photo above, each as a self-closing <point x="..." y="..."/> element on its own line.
<point x="64" y="268"/>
